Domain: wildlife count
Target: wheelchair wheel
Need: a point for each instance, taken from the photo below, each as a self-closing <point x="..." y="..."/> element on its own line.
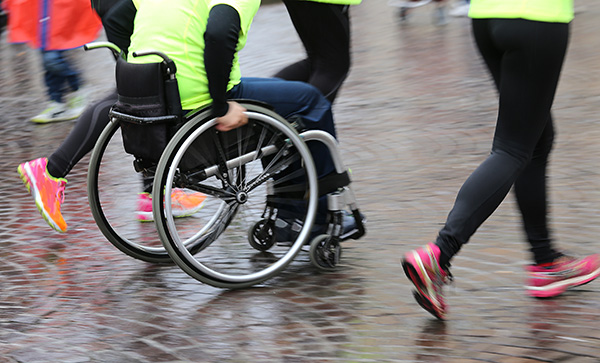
<point x="325" y="253"/>
<point x="243" y="172"/>
<point x="262" y="235"/>
<point x="114" y="189"/>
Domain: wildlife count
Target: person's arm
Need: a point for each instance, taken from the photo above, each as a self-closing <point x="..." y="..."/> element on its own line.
<point x="118" y="23"/>
<point x="220" y="39"/>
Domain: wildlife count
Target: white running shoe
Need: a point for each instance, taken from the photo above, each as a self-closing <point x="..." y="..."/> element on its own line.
<point x="56" y="111"/>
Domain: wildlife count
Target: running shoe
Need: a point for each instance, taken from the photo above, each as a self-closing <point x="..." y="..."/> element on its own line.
<point x="183" y="204"/>
<point x="422" y="268"/>
<point x="77" y="102"/>
<point x="55" y="112"/>
<point x="549" y="280"/>
<point x="144" y="208"/>
<point x="47" y="191"/>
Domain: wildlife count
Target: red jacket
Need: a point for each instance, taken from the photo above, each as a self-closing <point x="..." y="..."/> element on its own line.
<point x="51" y="24"/>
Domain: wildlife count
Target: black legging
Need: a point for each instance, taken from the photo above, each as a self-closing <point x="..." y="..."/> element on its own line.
<point x="117" y="18"/>
<point x="525" y="59"/>
<point x="82" y="137"/>
<point x="324" y="30"/>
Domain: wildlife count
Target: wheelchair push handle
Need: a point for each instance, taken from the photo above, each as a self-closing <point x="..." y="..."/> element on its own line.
<point x="169" y="63"/>
<point x="95" y="45"/>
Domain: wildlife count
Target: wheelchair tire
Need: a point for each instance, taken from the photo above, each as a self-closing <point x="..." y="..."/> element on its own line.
<point x="325" y="254"/>
<point x="236" y="170"/>
<point x="262" y="235"/>
<point x="113" y="194"/>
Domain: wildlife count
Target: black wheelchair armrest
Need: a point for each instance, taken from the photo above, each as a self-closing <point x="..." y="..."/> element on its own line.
<point x="143" y="120"/>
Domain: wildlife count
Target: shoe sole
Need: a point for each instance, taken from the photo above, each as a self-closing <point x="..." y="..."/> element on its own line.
<point x="29" y="181"/>
<point x="421" y="294"/>
<point x="426" y="305"/>
<point x="559" y="287"/>
<point x="58" y="119"/>
<point x="149" y="216"/>
<point x="144" y="217"/>
<point x="24" y="178"/>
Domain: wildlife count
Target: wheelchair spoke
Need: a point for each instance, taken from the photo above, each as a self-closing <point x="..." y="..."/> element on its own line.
<point x="222" y="173"/>
<point x="213" y="191"/>
<point x="261" y="145"/>
<point x="273" y="167"/>
<point x="241" y="148"/>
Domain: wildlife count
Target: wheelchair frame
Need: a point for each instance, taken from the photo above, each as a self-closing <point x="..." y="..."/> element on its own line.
<point x="288" y="146"/>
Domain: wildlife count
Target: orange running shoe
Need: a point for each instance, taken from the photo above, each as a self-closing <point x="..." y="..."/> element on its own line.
<point x="183" y="204"/>
<point x="47" y="191"/>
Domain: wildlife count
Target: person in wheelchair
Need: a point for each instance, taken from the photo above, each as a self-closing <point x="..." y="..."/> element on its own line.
<point x="206" y="54"/>
<point x="204" y="39"/>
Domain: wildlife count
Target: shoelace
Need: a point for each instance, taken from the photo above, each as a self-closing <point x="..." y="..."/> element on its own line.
<point x="60" y="193"/>
<point x="448" y="279"/>
<point x="444" y="280"/>
<point x="562" y="260"/>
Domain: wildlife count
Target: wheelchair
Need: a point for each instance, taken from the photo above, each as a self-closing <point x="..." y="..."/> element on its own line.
<point x="249" y="178"/>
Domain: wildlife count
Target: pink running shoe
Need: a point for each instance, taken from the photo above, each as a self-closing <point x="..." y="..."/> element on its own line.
<point x="144" y="208"/>
<point x="183" y="204"/>
<point x="48" y="192"/>
<point x="564" y="273"/>
<point x="422" y="268"/>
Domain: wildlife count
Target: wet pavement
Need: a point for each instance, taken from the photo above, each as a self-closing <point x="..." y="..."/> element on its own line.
<point x="415" y="116"/>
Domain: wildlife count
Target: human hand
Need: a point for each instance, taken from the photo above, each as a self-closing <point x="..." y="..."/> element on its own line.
<point x="234" y="118"/>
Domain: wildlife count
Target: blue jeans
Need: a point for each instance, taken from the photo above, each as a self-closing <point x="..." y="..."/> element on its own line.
<point x="290" y="98"/>
<point x="59" y="72"/>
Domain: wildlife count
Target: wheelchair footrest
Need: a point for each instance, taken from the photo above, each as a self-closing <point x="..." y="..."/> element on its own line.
<point x="359" y="229"/>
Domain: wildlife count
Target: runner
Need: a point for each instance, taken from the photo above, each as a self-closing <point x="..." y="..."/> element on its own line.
<point x="523" y="43"/>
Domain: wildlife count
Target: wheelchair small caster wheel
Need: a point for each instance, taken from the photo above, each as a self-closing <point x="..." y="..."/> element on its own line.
<point x="324" y="252"/>
<point x="262" y="235"/>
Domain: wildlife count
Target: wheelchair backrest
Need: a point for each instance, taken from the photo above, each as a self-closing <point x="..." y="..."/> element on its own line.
<point x="148" y="108"/>
<point x="141" y="89"/>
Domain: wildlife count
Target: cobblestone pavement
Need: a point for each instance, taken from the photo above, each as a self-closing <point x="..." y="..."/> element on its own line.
<point x="414" y="118"/>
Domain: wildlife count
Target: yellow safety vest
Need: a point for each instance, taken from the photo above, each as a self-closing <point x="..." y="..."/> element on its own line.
<point x="552" y="11"/>
<point x="176" y="27"/>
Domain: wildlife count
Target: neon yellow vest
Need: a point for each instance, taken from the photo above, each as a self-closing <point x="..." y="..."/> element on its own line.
<point x="552" y="11"/>
<point x="176" y="28"/>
